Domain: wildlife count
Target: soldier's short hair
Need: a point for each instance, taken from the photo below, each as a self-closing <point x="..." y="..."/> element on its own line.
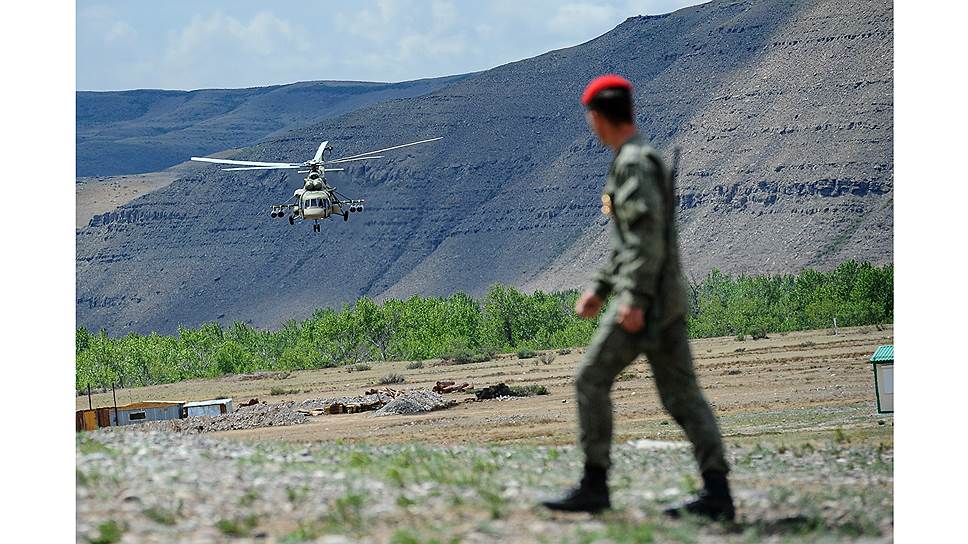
<point x="615" y="104"/>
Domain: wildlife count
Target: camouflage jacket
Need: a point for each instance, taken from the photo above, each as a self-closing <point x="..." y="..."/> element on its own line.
<point x="643" y="269"/>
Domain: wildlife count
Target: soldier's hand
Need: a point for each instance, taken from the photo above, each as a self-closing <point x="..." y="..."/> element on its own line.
<point x="631" y="319"/>
<point x="588" y="304"/>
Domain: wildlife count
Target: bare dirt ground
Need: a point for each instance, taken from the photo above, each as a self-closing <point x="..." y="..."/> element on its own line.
<point x="792" y="386"/>
<point x="97" y="195"/>
<point x="100" y="194"/>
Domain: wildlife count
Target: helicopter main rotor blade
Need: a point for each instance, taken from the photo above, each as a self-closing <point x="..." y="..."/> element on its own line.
<point x="324" y="170"/>
<point x="356" y="159"/>
<point x="387" y="149"/>
<point x="244" y="163"/>
<point x="261" y="168"/>
<point x="319" y="152"/>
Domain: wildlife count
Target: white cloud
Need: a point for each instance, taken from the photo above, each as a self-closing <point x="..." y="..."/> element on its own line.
<point x="217" y="45"/>
<point x="104" y="25"/>
<point x="120" y="32"/>
<point x="264" y="34"/>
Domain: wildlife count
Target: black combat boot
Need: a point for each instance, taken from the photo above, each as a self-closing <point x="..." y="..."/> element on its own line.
<point x="714" y="501"/>
<point x="591" y="495"/>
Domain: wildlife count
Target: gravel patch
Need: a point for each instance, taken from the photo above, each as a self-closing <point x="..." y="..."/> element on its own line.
<point x="415" y="402"/>
<point x="175" y="487"/>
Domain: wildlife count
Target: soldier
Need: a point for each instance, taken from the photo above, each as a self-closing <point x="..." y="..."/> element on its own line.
<point x="647" y="315"/>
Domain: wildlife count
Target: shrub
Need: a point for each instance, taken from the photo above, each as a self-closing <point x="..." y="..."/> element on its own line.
<point x="528" y="390"/>
<point x="547" y="358"/>
<point x="282" y="391"/>
<point x="466" y="356"/>
<point x="392" y="378"/>
<point x="358" y="367"/>
<point x="414" y="365"/>
<point x="564" y="351"/>
<point x="525" y="353"/>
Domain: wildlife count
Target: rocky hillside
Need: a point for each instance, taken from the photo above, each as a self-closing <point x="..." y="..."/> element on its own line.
<point x="784" y="112"/>
<point x="127" y="132"/>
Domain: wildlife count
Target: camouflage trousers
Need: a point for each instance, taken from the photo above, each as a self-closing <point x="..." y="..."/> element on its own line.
<point x="612" y="350"/>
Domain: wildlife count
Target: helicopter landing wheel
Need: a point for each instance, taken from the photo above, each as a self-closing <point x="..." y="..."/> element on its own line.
<point x="316" y="228"/>
<point x="291" y="222"/>
<point x="346" y="216"/>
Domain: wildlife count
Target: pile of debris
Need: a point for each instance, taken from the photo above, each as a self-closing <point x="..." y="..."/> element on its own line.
<point x="415" y="402"/>
<point x="498" y="391"/>
<point x="385" y="401"/>
<point x="372" y="399"/>
<point x="451" y="387"/>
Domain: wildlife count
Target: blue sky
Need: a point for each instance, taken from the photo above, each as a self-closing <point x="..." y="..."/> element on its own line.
<point x="179" y="44"/>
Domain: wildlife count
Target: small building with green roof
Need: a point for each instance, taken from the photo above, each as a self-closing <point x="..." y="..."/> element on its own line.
<point x="883" y="362"/>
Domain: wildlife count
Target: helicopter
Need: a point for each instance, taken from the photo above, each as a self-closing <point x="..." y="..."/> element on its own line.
<point x="317" y="199"/>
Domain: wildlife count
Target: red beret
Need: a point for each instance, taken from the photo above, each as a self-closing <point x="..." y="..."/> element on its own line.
<point x="600" y="83"/>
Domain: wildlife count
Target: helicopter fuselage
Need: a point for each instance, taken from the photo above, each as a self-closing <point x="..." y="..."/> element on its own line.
<point x="317" y="204"/>
<point x="317" y="200"/>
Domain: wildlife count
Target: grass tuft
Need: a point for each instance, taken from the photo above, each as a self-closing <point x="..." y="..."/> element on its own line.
<point x="109" y="532"/>
<point x="392" y="378"/>
<point x="159" y="515"/>
<point x="528" y="390"/>
<point x="275" y="391"/>
<point x="238" y="527"/>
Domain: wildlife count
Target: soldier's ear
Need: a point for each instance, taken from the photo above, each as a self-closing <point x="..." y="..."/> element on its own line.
<point x="595" y="121"/>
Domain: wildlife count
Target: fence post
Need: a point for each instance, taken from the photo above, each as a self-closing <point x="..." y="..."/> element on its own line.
<point x="90" y="404"/>
<point x="835" y="327"/>
<point x="113" y="394"/>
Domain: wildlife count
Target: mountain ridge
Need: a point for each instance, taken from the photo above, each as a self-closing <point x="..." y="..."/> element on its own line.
<point x="784" y="112"/>
<point x="145" y="130"/>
